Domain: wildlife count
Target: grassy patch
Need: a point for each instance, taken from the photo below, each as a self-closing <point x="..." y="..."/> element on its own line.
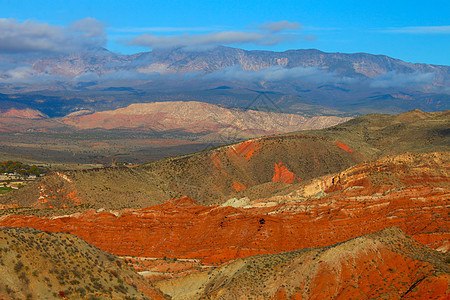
<point x="4" y="190"/>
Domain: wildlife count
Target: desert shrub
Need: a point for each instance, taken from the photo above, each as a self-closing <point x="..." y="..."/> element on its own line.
<point x="24" y="277"/>
<point x="18" y="266"/>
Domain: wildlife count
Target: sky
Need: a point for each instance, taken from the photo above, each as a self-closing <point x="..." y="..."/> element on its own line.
<point x="413" y="31"/>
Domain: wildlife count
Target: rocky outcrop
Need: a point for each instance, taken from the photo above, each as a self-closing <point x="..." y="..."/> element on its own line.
<point x="218" y="234"/>
<point x="282" y="174"/>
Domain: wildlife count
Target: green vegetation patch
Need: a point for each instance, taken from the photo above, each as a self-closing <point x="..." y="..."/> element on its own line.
<point x="16" y="167"/>
<point x="4" y="190"/>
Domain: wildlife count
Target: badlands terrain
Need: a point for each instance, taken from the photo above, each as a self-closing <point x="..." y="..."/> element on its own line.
<point x="358" y="210"/>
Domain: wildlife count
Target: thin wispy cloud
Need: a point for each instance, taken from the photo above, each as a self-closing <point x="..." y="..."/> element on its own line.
<point x="207" y="40"/>
<point x="280" y="26"/>
<point x="275" y="73"/>
<point x="271" y="33"/>
<point x="419" y="30"/>
<point x="395" y="79"/>
<point x="159" y="29"/>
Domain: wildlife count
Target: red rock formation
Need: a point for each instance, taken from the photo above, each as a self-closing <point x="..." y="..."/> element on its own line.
<point x="238" y="187"/>
<point x="410" y="191"/>
<point x="344" y="147"/>
<point x="386" y="265"/>
<point x="25" y="113"/>
<point x="180" y="228"/>
<point x="193" y="116"/>
<point x="245" y="149"/>
<point x="282" y="174"/>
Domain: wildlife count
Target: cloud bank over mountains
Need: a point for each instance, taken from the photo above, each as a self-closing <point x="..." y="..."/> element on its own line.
<point x="23" y="45"/>
<point x="307" y="75"/>
<point x="34" y="37"/>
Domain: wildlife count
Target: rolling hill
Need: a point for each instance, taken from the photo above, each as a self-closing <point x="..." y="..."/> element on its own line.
<point x="214" y="176"/>
<point x="256" y="213"/>
<point x="409" y="191"/>
<point x="43" y="265"/>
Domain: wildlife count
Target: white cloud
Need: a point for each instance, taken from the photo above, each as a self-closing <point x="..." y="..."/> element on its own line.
<point x="30" y="36"/>
<point x="395" y="79"/>
<point x="208" y="39"/>
<point x="276" y="73"/>
<point x="89" y="27"/>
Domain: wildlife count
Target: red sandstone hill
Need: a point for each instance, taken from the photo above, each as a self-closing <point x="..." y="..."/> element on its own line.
<point x="209" y="121"/>
<point x="386" y="264"/>
<point x="22" y="113"/>
<point x="409" y="191"/>
<point x="22" y="118"/>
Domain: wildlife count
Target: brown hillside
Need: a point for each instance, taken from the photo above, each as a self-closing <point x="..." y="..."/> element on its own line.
<point x="43" y="265"/>
<point x="377" y="135"/>
<point x="268" y="164"/>
<point x="209" y="176"/>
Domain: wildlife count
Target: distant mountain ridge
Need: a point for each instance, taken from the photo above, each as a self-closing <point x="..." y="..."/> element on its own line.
<point x="300" y="81"/>
<point x="181" y="60"/>
<point x="197" y="117"/>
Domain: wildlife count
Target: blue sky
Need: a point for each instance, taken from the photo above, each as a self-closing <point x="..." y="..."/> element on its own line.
<point x="414" y="31"/>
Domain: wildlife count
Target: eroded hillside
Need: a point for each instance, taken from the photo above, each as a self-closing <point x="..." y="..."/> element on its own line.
<point x="410" y="191"/>
<point x="386" y="264"/>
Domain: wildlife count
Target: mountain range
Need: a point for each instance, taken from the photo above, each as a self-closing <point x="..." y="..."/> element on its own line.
<point x="308" y="82"/>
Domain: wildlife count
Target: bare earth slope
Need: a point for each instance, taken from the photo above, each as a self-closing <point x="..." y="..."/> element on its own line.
<point x="376" y="135"/>
<point x="386" y="264"/>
